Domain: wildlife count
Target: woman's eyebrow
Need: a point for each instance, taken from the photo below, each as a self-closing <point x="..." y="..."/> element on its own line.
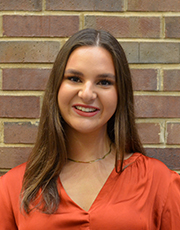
<point x="72" y="71"/>
<point x="107" y="75"/>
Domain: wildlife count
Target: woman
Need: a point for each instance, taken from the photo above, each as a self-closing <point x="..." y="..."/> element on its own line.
<point x="88" y="169"/>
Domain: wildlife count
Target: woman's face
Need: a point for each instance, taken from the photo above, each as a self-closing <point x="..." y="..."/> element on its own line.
<point x="87" y="97"/>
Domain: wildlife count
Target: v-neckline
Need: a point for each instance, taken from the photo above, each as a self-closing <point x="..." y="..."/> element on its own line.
<point x="62" y="189"/>
<point x="113" y="173"/>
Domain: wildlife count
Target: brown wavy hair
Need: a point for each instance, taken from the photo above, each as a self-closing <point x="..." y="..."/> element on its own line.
<point x="39" y="189"/>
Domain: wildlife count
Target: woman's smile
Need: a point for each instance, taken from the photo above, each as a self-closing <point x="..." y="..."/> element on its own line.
<point x="84" y="110"/>
<point x="88" y="96"/>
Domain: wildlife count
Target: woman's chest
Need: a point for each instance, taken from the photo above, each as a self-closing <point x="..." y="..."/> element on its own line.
<point x="115" y="207"/>
<point x="103" y="214"/>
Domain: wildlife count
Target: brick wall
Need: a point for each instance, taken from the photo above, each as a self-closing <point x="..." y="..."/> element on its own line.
<point x="31" y="33"/>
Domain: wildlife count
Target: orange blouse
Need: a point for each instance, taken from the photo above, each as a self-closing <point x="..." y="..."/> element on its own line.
<point x="145" y="196"/>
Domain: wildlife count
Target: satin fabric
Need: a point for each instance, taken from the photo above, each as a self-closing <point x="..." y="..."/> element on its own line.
<point x="145" y="196"/>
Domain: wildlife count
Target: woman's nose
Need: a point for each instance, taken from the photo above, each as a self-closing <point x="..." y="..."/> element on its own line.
<point x="87" y="93"/>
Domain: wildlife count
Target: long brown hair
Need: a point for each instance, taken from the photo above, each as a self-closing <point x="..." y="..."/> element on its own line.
<point x="49" y="153"/>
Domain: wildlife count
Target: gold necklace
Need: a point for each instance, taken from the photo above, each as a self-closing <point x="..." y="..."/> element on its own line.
<point x="92" y="161"/>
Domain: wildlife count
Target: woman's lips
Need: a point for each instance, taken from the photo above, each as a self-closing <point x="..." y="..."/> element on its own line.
<point x="84" y="110"/>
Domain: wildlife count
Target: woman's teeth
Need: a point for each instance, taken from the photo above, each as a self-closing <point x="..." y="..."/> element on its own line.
<point x="87" y="110"/>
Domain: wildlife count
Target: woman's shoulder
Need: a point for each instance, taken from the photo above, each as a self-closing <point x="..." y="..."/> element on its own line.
<point x="14" y="175"/>
<point x="145" y="160"/>
<point x="155" y="168"/>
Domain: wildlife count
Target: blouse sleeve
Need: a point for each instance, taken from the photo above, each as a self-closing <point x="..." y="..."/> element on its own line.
<point x="7" y="221"/>
<point x="171" y="212"/>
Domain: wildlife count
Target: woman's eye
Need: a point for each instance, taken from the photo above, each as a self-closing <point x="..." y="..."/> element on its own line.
<point x="74" y="79"/>
<point x="105" y="82"/>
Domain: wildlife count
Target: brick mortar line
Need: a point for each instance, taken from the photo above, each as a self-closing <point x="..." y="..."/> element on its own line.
<point x="43" y="5"/>
<point x="2" y="133"/>
<point x="162" y="133"/>
<point x="22" y="93"/>
<point x="138" y="52"/>
<point x="4" y="169"/>
<point x="158" y="79"/>
<point x="138" y="120"/>
<point x="117" y="13"/>
<point x="162" y="27"/>
<point x="82" y="22"/>
<point x="0" y="79"/>
<point x="157" y="120"/>
<point x="179" y="53"/>
<point x="125" y="5"/>
<point x="41" y="103"/>
<point x="63" y="39"/>
<point x="132" y="14"/>
<point x="157" y="93"/>
<point x="27" y="65"/>
<point x="40" y="93"/>
<point x="1" y="26"/>
<point x="161" y="146"/>
<point x="91" y="13"/>
<point x="165" y="66"/>
<point x="150" y="40"/>
<point x="161" y="79"/>
<point x="157" y="66"/>
<point x="41" y="13"/>
<point x="165" y="132"/>
<point x="23" y="122"/>
<point x="32" y="39"/>
<point x="14" y="145"/>
<point x="33" y="121"/>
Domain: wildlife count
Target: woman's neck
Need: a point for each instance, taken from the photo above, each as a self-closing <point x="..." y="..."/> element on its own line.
<point x="86" y="147"/>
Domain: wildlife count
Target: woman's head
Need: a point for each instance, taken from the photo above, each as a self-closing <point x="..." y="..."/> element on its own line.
<point x="87" y="96"/>
<point x="91" y="37"/>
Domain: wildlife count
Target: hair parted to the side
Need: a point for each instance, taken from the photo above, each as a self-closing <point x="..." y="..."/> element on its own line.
<point x="49" y="154"/>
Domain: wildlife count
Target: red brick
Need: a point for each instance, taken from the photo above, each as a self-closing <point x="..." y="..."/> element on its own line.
<point x="40" y="26"/>
<point x="11" y="157"/>
<point x="85" y="5"/>
<point x="144" y="79"/>
<point x="132" y="50"/>
<point x="18" y="132"/>
<point x="170" y="156"/>
<point x="172" y="27"/>
<point x="137" y="27"/>
<point x="28" y="5"/>
<point x="173" y="133"/>
<point x="171" y="80"/>
<point x="149" y="133"/>
<point x="157" y="106"/>
<point x="24" y="79"/>
<point x="28" y="51"/>
<point x="20" y="106"/>
<point x="156" y="52"/>
<point x="154" y="5"/>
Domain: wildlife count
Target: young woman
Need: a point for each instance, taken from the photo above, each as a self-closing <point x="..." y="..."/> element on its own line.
<point x="88" y="169"/>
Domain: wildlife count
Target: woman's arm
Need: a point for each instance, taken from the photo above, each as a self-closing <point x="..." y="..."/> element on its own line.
<point x="7" y="220"/>
<point x="171" y="211"/>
